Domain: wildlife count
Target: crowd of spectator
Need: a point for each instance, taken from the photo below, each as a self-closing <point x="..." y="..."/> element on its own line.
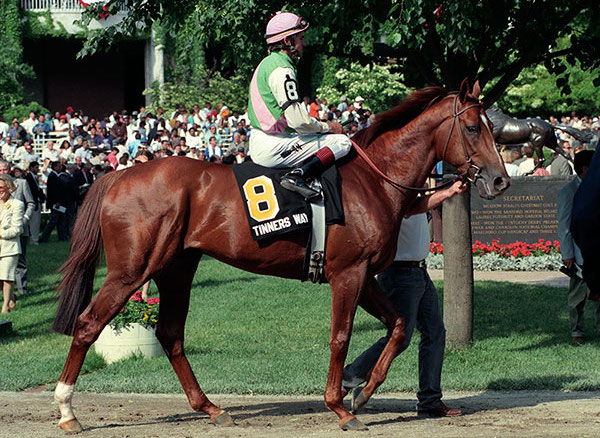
<point x="116" y="140"/>
<point x="216" y="134"/>
<point x="77" y="148"/>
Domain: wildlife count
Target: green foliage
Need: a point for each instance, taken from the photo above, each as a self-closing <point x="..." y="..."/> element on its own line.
<point x="493" y="40"/>
<point x="534" y="93"/>
<point x="12" y="69"/>
<point x="432" y="42"/>
<point x="139" y="311"/>
<point x="203" y="87"/>
<point x="22" y="111"/>
<point x="381" y="88"/>
<point x="39" y="24"/>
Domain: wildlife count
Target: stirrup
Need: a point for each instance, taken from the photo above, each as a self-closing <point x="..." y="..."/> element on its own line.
<point x="295" y="183"/>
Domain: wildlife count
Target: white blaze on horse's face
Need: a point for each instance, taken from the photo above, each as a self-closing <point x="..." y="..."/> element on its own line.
<point x="493" y="178"/>
<point x="487" y="123"/>
<point x="484" y="119"/>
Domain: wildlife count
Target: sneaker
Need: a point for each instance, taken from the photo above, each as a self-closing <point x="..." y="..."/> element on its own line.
<point x="577" y="340"/>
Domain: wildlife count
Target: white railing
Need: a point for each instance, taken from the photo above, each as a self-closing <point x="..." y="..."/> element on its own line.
<point x="39" y="141"/>
<point x="56" y="5"/>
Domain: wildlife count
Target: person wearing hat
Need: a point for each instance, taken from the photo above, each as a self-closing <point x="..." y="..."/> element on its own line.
<point x="61" y="124"/>
<point x="283" y="134"/>
<point x="192" y="153"/>
<point x="343" y="104"/>
<point x="358" y="102"/>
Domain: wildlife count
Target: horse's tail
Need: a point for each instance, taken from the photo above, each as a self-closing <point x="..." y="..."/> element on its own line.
<point x="79" y="269"/>
<point x="582" y="136"/>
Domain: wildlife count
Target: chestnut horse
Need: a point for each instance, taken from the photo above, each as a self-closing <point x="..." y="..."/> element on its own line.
<point x="157" y="219"/>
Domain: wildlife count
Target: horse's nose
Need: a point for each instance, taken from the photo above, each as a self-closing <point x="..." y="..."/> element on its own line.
<point x="501" y="183"/>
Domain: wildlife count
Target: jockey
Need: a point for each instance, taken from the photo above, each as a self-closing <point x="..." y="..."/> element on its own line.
<point x="283" y="133"/>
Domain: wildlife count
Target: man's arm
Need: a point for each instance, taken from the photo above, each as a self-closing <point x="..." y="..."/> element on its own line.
<point x="285" y="89"/>
<point x="28" y="200"/>
<point x="429" y="202"/>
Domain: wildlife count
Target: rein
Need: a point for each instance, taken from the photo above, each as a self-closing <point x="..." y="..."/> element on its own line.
<point x="462" y="176"/>
<point x="396" y="184"/>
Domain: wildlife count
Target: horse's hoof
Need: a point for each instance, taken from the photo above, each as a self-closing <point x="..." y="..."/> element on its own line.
<point x="223" y="419"/>
<point x="71" y="426"/>
<point x="353" y="424"/>
<point x="358" y="400"/>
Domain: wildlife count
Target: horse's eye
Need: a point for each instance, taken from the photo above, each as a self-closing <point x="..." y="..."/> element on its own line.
<point x="472" y="129"/>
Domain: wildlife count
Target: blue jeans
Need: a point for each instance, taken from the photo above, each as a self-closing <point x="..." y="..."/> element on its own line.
<point x="415" y="299"/>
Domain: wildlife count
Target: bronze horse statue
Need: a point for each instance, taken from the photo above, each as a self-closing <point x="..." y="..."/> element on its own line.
<point x="536" y="133"/>
<point x="156" y="220"/>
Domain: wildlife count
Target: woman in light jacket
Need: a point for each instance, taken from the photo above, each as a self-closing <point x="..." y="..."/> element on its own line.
<point x="11" y="227"/>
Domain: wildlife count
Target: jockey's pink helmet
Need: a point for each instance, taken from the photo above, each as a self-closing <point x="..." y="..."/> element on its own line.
<point x="284" y="24"/>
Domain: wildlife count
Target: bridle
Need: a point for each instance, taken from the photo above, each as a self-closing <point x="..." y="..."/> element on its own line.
<point x="468" y="160"/>
<point x="465" y="176"/>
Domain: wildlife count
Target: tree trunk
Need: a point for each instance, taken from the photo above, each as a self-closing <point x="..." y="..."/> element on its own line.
<point x="458" y="271"/>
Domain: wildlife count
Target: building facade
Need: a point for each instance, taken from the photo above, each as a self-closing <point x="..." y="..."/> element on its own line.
<point x="97" y="84"/>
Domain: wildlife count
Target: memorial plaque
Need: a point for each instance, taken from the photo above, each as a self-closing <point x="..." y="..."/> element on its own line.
<point x="526" y="212"/>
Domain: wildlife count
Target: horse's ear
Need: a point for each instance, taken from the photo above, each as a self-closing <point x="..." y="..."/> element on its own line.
<point x="464" y="90"/>
<point x="476" y="90"/>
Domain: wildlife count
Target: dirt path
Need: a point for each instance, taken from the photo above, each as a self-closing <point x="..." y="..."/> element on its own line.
<point x="488" y="414"/>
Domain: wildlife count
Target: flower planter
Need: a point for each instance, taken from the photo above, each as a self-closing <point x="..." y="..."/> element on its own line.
<point x="135" y="338"/>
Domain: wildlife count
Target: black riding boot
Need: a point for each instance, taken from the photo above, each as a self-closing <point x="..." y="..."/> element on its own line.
<point x="296" y="179"/>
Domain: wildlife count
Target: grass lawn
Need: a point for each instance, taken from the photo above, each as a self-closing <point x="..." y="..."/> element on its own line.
<point x="253" y="334"/>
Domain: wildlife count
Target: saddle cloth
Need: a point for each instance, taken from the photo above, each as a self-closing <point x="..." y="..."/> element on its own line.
<point x="272" y="210"/>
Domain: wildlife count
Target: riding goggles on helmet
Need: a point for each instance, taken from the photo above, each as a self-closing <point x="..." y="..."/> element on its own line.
<point x="284" y="24"/>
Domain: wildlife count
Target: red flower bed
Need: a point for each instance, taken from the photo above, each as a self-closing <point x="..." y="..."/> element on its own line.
<point x="516" y="249"/>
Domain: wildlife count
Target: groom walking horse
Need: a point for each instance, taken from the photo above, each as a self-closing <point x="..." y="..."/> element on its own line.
<point x="155" y="221"/>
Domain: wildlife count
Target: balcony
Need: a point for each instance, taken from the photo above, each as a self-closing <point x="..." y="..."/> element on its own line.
<point x="65" y="13"/>
<point x="56" y="5"/>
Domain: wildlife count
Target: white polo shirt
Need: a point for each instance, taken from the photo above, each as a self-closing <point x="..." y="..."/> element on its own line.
<point x="413" y="239"/>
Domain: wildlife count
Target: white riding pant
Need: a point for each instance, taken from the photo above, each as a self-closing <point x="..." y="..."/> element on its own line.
<point x="266" y="149"/>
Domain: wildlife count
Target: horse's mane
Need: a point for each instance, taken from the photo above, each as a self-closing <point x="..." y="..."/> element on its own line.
<point x="417" y="102"/>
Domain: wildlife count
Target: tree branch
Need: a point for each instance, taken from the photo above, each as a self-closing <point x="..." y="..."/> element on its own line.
<point x="511" y="37"/>
<point x="503" y="83"/>
<point x="576" y="8"/>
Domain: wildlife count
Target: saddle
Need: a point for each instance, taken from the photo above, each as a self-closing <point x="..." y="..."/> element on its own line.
<point x="273" y="211"/>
